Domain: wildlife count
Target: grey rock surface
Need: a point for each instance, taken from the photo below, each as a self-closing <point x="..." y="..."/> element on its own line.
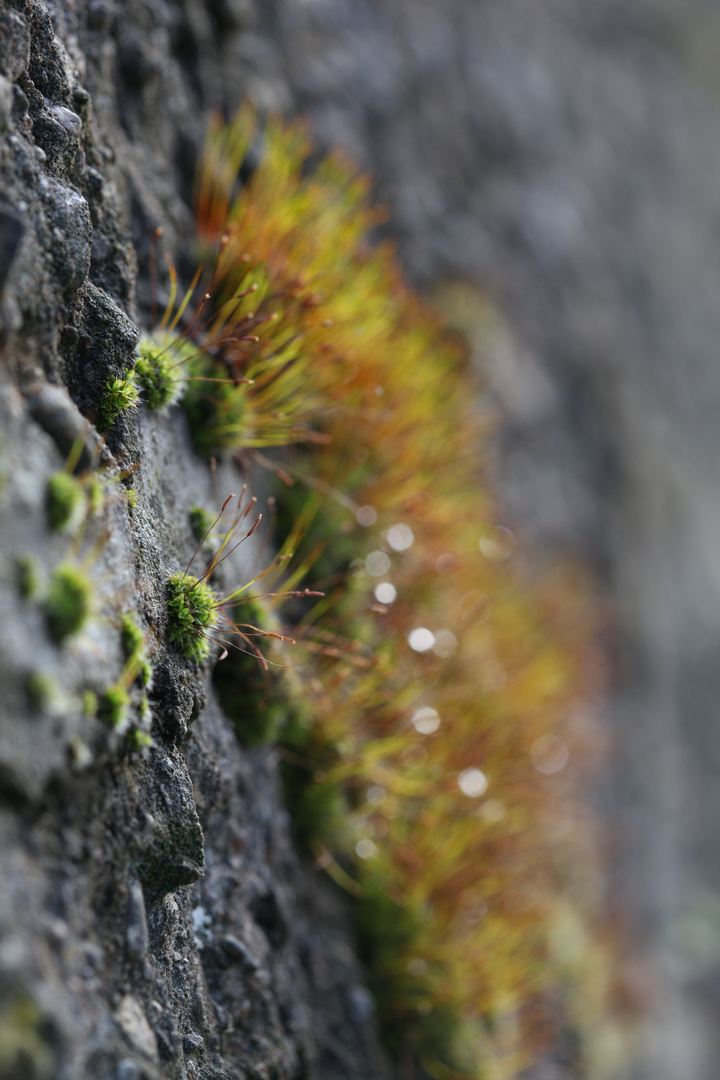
<point x="156" y="919"/>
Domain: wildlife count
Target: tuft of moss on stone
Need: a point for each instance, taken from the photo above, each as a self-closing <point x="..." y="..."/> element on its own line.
<point x="159" y="374"/>
<point x="131" y="498"/>
<point x="120" y="395"/>
<point x="113" y="706"/>
<point x="217" y="417"/>
<point x="29" y="576"/>
<point x="89" y="703"/>
<point x="145" y="673"/>
<point x="131" y="636"/>
<point x="41" y="690"/>
<point x="192" y="610"/>
<point x="95" y="494"/>
<point x="200" y="521"/>
<point x="68" y="602"/>
<point x="138" y="740"/>
<point x="26" y="1049"/>
<point x="64" y="502"/>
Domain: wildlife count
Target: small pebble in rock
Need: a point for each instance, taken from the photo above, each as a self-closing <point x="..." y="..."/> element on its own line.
<point x="136" y="934"/>
<point x="127" y="1070"/>
<point x="192" y="1042"/>
<point x="362" y="1005"/>
<point x="238" y="951"/>
<point x="67" y="119"/>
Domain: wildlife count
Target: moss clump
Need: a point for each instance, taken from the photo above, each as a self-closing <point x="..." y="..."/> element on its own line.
<point x="41" y="690"/>
<point x="25" y="1046"/>
<point x="318" y="808"/>
<point x="29" y="576"/>
<point x="64" y="502"/>
<point x="131" y="498"/>
<point x="138" y="740"/>
<point x="159" y="373"/>
<point x="131" y="635"/>
<point x="89" y="703"/>
<point x="201" y="521"/>
<point x="145" y="673"/>
<point x="256" y="701"/>
<point x="95" y="494"/>
<point x="120" y="395"/>
<point x="132" y="638"/>
<point x="68" y="602"/>
<point x="113" y="706"/>
<point x="192" y="610"/>
<point x="216" y="408"/>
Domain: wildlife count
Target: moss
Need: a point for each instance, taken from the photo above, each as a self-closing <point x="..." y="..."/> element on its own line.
<point x="192" y="610"/>
<point x="89" y="703"/>
<point x="131" y="498"/>
<point x="145" y="714"/>
<point x="113" y="706"/>
<point x="201" y="521"/>
<point x="120" y="395"/>
<point x="138" y="740"/>
<point x="317" y="808"/>
<point x="68" y="603"/>
<point x="159" y="373"/>
<point x="95" y="494"/>
<point x="25" y="1049"/>
<point x="256" y="701"/>
<point x="247" y="698"/>
<point x="216" y="410"/>
<point x="145" y="673"/>
<point x="65" y="501"/>
<point x="131" y="636"/>
<point x="42" y="691"/>
<point x="29" y="576"/>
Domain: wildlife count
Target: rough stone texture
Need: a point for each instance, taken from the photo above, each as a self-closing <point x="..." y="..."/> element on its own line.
<point x="156" y="920"/>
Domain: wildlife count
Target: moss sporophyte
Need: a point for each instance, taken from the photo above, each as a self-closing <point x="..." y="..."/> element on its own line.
<point x="170" y="358"/>
<point x="197" y="617"/>
<point x="453" y="685"/>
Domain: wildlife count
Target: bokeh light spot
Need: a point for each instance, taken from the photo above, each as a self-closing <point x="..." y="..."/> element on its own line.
<point x="421" y="639"/>
<point x="473" y="782"/>
<point x="425" y="720"/>
<point x="497" y="543"/>
<point x="385" y="593"/>
<point x="377" y="563"/>
<point x="445" y="644"/>
<point x="366" y="515"/>
<point x="400" y="537"/>
<point x="549" y="754"/>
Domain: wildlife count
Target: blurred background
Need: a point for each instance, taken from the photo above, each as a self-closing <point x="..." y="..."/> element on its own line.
<point x="553" y="172"/>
